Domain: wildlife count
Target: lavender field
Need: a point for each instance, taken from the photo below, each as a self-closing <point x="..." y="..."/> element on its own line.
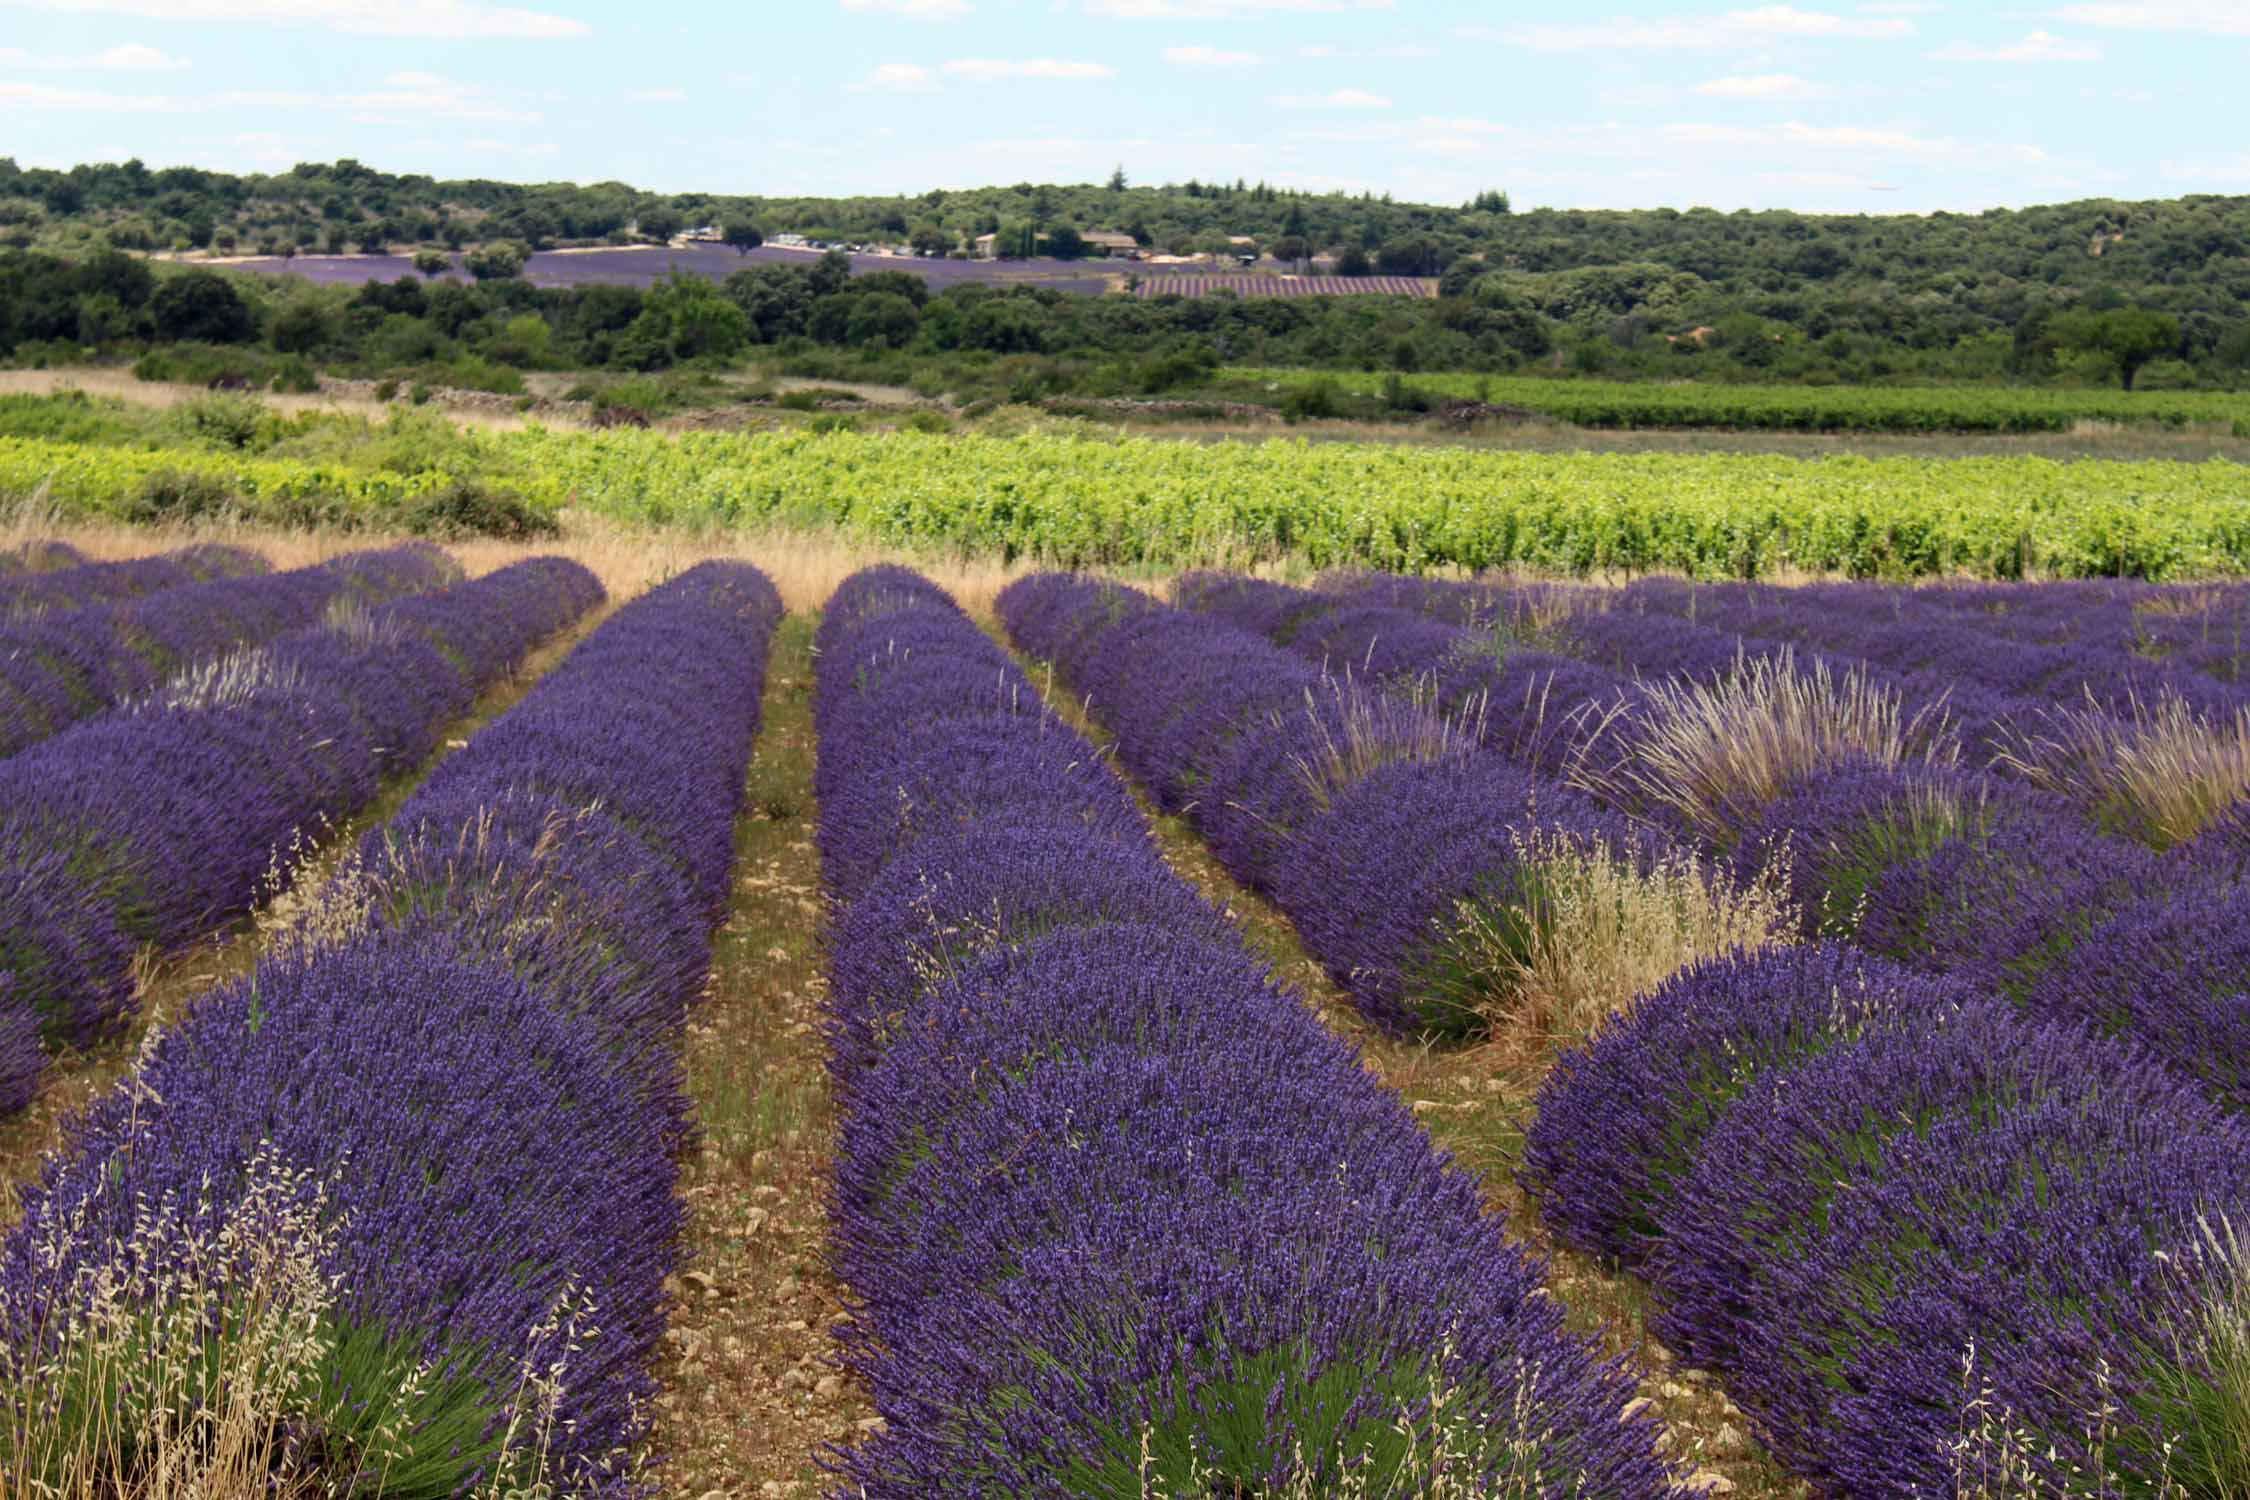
<point x="643" y="266"/>
<point x="1386" y="1038"/>
<point x="1165" y="284"/>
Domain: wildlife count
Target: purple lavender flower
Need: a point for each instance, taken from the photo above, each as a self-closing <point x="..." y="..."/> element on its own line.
<point x="159" y="821"/>
<point x="1947" y="1181"/>
<point x="1621" y="1122"/>
<point x="483" y="1069"/>
<point x="1116" y="1211"/>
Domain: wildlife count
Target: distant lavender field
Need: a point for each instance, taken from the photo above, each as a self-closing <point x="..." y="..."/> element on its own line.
<point x="1287" y="286"/>
<point x="645" y="265"/>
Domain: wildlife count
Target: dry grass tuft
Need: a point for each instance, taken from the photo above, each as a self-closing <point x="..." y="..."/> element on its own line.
<point x="2205" y="1387"/>
<point x="2159" y="774"/>
<point x="205" y="1357"/>
<point x="1709" y="749"/>
<point x="1373" y="728"/>
<point x="1593" y="930"/>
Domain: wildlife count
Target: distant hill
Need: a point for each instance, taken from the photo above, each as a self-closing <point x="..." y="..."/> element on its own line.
<point x="2004" y="295"/>
<point x="2185" y="255"/>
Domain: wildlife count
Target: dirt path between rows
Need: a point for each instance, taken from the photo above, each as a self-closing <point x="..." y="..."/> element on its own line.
<point x="750" y="1399"/>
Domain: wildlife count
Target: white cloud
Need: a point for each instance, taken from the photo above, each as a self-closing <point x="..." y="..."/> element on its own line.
<point x="2212" y="17"/>
<point x="451" y="20"/>
<point x="495" y="147"/>
<point x="1222" y="10"/>
<point x="405" y="98"/>
<point x="896" y="78"/>
<point x="1779" y="86"/>
<point x="42" y="96"/>
<point x="987" y="68"/>
<point x="1730" y="31"/>
<point x="128" y="57"/>
<point x="1409" y="53"/>
<point x="1210" y="57"/>
<point x="2211" y="172"/>
<point x="2037" y="47"/>
<point x="656" y="96"/>
<point x="1340" y="99"/>
<point x="1797" y="136"/>
<point x="918" y="10"/>
<point x="134" y="57"/>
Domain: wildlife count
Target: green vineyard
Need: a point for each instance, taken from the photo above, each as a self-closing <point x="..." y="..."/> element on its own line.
<point x="1800" y="408"/>
<point x="1082" y="501"/>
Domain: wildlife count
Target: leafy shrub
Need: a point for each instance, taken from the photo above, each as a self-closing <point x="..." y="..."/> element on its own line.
<point x="1316" y="400"/>
<point x="465" y="508"/>
<point x="239" y="423"/>
<point x="473" y="373"/>
<point x="176" y="495"/>
<point x="295" y="376"/>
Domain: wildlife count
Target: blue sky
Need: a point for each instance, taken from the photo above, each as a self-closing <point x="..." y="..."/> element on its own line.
<point x="1877" y="105"/>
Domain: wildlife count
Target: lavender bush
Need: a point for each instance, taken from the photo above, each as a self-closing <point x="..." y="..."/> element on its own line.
<point x="38" y="581"/>
<point x="62" y="666"/>
<point x="1119" y="1216"/>
<point x="41" y="556"/>
<point x="160" y="820"/>
<point x="1947" y="1187"/>
<point x="447" y="1054"/>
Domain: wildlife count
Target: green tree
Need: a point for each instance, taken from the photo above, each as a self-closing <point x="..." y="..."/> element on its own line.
<point x="659" y="225"/>
<point x="741" y="236"/>
<point x="885" y="318"/>
<point x="2127" y="336"/>
<point x="929" y="238"/>
<point x="1292" y="249"/>
<point x="502" y="260"/>
<point x="432" y="263"/>
<point x="1117" y="183"/>
<point x="1064" y="242"/>
<point x="830" y="273"/>
<point x="682" y="317"/>
<point x="202" y="305"/>
<point x="1353" y="261"/>
<point x="299" y="328"/>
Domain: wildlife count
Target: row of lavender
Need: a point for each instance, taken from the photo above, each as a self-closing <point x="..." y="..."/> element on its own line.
<point x="1363" y="815"/>
<point x="1992" y="674"/>
<point x="158" y="822"/>
<point x="42" y="576"/>
<point x="1975" y="873"/>
<point x="62" y="666"/>
<point x="434" y="1136"/>
<point x="1120" y="1217"/>
<point x="39" y="556"/>
<point x="1847" y="1174"/>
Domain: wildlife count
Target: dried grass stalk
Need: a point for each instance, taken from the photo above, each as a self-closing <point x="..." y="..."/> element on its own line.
<point x="1706" y="749"/>
<point x="2160" y="774"/>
